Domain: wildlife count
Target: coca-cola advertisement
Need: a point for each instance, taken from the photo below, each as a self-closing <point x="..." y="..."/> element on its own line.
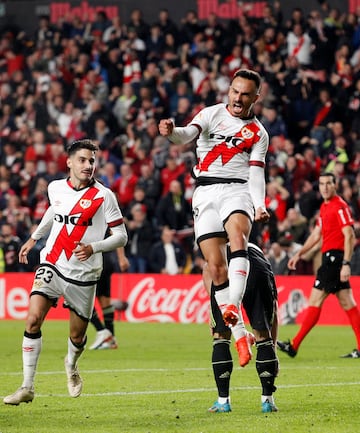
<point x="162" y="298"/>
<point x="172" y="298"/>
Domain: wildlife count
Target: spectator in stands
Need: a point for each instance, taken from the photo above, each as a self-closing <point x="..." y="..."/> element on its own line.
<point x="326" y="112"/>
<point x="166" y="24"/>
<point x="322" y="50"/>
<point x="155" y="43"/>
<point x="235" y="60"/>
<point x="112" y="67"/>
<point x="149" y="180"/>
<point x="183" y="113"/>
<point x="295" y="225"/>
<point x="141" y="238"/>
<point x="114" y="32"/>
<point x="170" y="172"/>
<point x="198" y="262"/>
<point x="278" y="258"/>
<point x="10" y="245"/>
<point x="296" y="88"/>
<point x="181" y="90"/>
<point x="109" y="174"/>
<point x="59" y="81"/>
<point x="308" y="199"/>
<point x="103" y="137"/>
<point x="276" y="199"/>
<point x="124" y="187"/>
<point x="173" y="210"/>
<point x="347" y="190"/>
<point x="205" y="96"/>
<point x="167" y="256"/>
<point x="123" y="104"/>
<point x="214" y="29"/>
<point x="299" y="44"/>
<point x="141" y="198"/>
<point x="186" y="178"/>
<point x="38" y="200"/>
<point x="100" y="23"/>
<point x="338" y="154"/>
<point x="189" y="27"/>
<point x="10" y="156"/>
<point x="138" y="23"/>
<point x="308" y="166"/>
<point x="17" y="216"/>
<point x="273" y="121"/>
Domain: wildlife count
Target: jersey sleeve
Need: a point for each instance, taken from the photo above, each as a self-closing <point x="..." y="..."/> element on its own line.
<point x="344" y="215"/>
<point x="113" y="214"/>
<point x="260" y="148"/>
<point x="201" y="120"/>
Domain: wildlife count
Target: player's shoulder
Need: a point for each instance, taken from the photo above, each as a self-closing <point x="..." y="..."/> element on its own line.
<point x="213" y="109"/>
<point x="56" y="184"/>
<point x="261" y="126"/>
<point x="338" y="202"/>
<point x="101" y="187"/>
<point x="105" y="192"/>
<point x="341" y="201"/>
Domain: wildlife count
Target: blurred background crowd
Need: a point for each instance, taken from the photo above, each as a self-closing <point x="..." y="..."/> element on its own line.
<point x="112" y="81"/>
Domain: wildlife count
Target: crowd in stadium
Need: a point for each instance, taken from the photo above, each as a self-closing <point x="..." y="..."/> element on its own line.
<point x="112" y="81"/>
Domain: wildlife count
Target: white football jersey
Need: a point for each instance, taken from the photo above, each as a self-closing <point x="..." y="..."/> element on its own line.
<point x="79" y="216"/>
<point x="228" y="145"/>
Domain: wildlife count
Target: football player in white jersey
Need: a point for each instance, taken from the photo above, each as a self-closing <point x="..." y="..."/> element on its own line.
<point x="81" y="209"/>
<point x="231" y="145"/>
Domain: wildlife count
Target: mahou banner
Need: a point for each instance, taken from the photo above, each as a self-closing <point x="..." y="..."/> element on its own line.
<point x="178" y="298"/>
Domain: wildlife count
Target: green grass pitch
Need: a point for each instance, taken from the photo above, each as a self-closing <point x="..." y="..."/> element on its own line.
<point x="160" y="380"/>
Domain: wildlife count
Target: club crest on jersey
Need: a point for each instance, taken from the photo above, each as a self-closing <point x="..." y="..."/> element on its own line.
<point x="247" y="133"/>
<point x="84" y="203"/>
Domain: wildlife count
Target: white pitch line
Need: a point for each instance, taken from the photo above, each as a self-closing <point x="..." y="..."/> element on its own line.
<point x="194" y="390"/>
<point x="164" y="370"/>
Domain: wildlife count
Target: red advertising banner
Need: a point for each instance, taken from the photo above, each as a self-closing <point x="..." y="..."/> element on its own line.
<point x="178" y="298"/>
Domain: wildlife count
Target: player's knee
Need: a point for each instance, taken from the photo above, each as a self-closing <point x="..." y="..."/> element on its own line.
<point x="218" y="272"/>
<point x="33" y="323"/>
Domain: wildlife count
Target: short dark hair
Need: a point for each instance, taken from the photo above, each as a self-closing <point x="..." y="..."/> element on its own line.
<point x="328" y="174"/>
<point x="248" y="74"/>
<point x="81" y="144"/>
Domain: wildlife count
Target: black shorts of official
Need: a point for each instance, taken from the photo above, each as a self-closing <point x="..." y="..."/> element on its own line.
<point x="259" y="303"/>
<point x="328" y="275"/>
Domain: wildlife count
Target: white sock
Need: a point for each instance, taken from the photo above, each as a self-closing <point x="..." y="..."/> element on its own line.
<point x="223" y="400"/>
<point x="268" y="398"/>
<point x="31" y="348"/>
<point x="73" y="353"/>
<point x="222" y="298"/>
<point x="238" y="273"/>
<point x="239" y="330"/>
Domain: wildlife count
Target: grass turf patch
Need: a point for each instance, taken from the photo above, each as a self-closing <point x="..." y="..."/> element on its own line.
<point x="160" y="380"/>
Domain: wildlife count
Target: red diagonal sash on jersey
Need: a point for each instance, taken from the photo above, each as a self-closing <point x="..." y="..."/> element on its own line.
<point x="87" y="208"/>
<point x="299" y="44"/>
<point x="242" y="142"/>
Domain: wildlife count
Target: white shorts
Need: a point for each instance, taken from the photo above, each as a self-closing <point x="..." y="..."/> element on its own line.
<point x="77" y="296"/>
<point x="213" y="204"/>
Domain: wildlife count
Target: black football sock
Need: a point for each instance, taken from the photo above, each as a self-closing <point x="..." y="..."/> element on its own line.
<point x="108" y="313"/>
<point x="222" y="365"/>
<point x="266" y="365"/>
<point x="95" y="320"/>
